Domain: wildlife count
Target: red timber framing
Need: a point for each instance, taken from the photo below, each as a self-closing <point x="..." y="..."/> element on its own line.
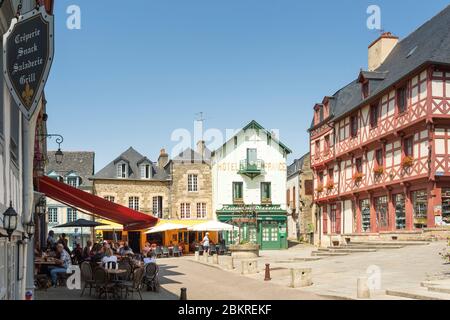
<point x="413" y="147"/>
<point x="96" y="206"/>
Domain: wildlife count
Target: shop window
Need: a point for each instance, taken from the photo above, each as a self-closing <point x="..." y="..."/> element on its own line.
<point x="365" y="215"/>
<point x="400" y="213"/>
<point x="446" y="206"/>
<point x="420" y="207"/>
<point x="381" y="208"/>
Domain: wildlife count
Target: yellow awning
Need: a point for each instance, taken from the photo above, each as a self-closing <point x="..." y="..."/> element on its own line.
<point x="109" y="226"/>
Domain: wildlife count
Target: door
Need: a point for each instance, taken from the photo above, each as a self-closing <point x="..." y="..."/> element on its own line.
<point x="252" y="157"/>
<point x="134" y="241"/>
<point x="270" y="238"/>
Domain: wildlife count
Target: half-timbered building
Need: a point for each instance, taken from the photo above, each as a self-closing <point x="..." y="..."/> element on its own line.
<point x="380" y="145"/>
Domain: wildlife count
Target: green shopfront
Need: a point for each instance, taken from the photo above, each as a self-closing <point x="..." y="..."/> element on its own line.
<point x="265" y="225"/>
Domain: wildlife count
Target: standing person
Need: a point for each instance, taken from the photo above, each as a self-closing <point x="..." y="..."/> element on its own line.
<point x="205" y="243"/>
<point x="51" y="242"/>
<point x="64" y="262"/>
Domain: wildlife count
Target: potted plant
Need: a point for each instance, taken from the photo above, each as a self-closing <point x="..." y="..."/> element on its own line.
<point x="319" y="188"/>
<point x="407" y="162"/>
<point x="330" y="186"/>
<point x="357" y="177"/>
<point x="379" y="170"/>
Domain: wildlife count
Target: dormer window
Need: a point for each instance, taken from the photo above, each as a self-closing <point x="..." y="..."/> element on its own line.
<point x="365" y="89"/>
<point x="319" y="114"/>
<point x="73" y="182"/>
<point x="122" y="170"/>
<point x="145" y="171"/>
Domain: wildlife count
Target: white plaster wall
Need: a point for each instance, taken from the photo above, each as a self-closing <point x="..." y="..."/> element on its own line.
<point x="226" y="166"/>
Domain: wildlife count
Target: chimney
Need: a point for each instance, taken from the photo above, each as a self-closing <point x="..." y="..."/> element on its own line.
<point x="201" y="148"/>
<point x="380" y="49"/>
<point x="163" y="158"/>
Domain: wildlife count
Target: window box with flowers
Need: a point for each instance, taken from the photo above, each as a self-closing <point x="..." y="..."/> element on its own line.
<point x="330" y="186"/>
<point x="358" y="177"/>
<point x="319" y="188"/>
<point x="379" y="170"/>
<point x="407" y="162"/>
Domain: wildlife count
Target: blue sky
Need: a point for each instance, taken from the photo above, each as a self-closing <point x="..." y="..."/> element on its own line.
<point x="138" y="70"/>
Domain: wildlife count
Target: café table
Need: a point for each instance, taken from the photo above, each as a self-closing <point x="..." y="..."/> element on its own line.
<point x="112" y="277"/>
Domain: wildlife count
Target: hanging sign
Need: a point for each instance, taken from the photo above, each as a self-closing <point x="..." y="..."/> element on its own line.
<point x="27" y="58"/>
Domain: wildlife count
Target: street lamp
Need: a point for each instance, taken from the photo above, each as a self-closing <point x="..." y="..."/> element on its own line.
<point x="30" y="228"/>
<point x="9" y="222"/>
<point x="41" y="207"/>
<point x="59" y="155"/>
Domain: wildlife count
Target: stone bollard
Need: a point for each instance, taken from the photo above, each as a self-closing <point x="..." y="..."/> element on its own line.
<point x="183" y="294"/>
<point x="301" y="278"/>
<point x="227" y="262"/>
<point x="205" y="257"/>
<point x="197" y="256"/>
<point x="249" y="267"/>
<point x="215" y="259"/>
<point x="267" y="276"/>
<point x="363" y="291"/>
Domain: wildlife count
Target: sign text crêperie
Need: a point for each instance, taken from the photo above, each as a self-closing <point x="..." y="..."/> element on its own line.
<point x="27" y="58"/>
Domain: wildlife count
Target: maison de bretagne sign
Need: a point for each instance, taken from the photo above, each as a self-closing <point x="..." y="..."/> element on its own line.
<point x="27" y="58"/>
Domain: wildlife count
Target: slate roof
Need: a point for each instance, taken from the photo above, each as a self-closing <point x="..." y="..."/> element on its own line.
<point x="190" y="155"/>
<point x="80" y="163"/>
<point x="133" y="158"/>
<point x="296" y="166"/>
<point x="430" y="43"/>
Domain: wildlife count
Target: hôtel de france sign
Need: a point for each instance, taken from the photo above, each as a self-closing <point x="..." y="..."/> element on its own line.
<point x="27" y="58"/>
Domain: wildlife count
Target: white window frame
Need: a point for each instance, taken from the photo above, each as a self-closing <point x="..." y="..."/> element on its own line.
<point x="76" y="179"/>
<point x="192" y="182"/>
<point x="157" y="211"/>
<point x="202" y="211"/>
<point x="133" y="203"/>
<point x="185" y="211"/>
<point x="122" y="170"/>
<point x="144" y="173"/>
<point x="52" y="216"/>
<point x="110" y="198"/>
<point x="73" y="215"/>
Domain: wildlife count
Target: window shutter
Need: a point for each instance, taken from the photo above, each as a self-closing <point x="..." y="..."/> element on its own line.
<point x="338" y="217"/>
<point x="325" y="220"/>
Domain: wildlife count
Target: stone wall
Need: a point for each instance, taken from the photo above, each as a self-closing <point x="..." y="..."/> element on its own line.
<point x="122" y="190"/>
<point x="179" y="189"/>
<point x="307" y="220"/>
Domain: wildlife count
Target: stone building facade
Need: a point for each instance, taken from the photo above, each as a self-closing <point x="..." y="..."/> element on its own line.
<point x="191" y="184"/>
<point x="299" y="199"/>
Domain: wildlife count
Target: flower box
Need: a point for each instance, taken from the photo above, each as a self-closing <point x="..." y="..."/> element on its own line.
<point x="357" y="177"/>
<point x="407" y="162"/>
<point x="379" y="171"/>
<point x="330" y="186"/>
<point x="319" y="189"/>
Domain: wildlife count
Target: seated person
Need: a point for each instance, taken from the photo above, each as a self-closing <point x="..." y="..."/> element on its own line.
<point x="109" y="257"/>
<point x="63" y="262"/>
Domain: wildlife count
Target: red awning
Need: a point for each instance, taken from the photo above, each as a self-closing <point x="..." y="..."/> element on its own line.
<point x="130" y="219"/>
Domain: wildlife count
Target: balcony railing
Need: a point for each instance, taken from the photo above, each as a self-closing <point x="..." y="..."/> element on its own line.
<point x="251" y="168"/>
